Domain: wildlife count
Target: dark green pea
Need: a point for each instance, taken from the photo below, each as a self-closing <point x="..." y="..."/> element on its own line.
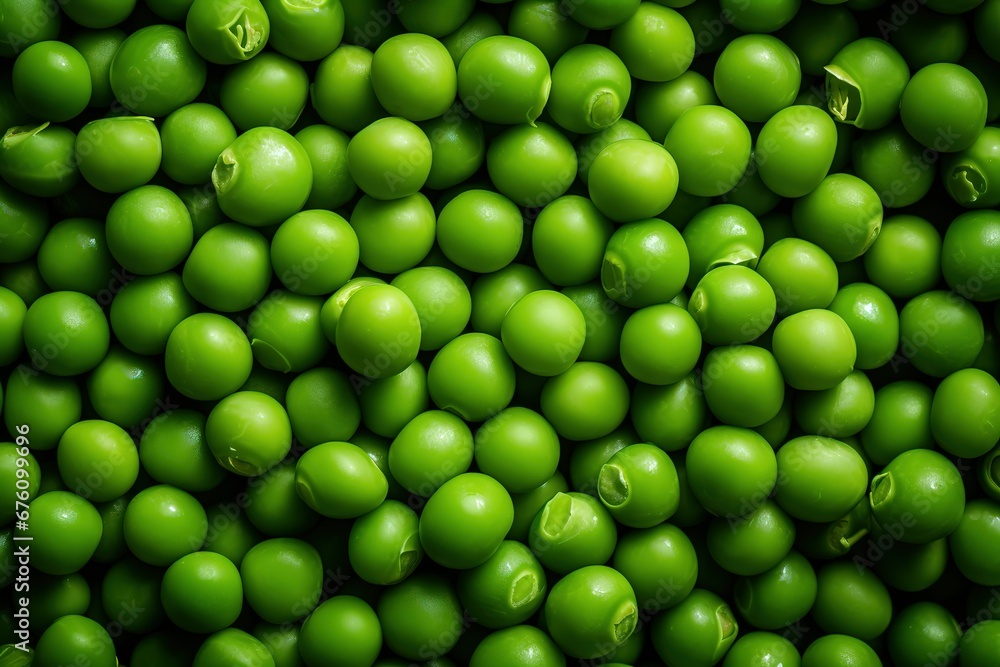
<point x="543" y="23"/>
<point x="322" y="407"/>
<point x="754" y="543"/>
<point x="72" y="638"/>
<point x="820" y="479"/>
<point x="201" y="592"/>
<point x="273" y="504"/>
<point x="697" y="632"/>
<point x="989" y="473"/>
<point x="818" y="32"/>
<point x="505" y="590"/>
<point x="851" y="601"/>
<point x="659" y="105"/>
<point x="839" y="412"/>
<point x="458" y="147"/>
<point x="689" y="511"/>
<point x="333" y="186"/>
<point x="285" y="333"/>
<point x="865" y="81"/>
<point x="48" y="404"/>
<point x="920" y="630"/>
<point x="591" y="611"/>
<point x="421" y="617"/>
<point x="966" y="251"/>
<point x="25" y="224"/>
<point x="282" y="579"/>
<point x="232" y="647"/>
<point x="479" y="26"/>
<point x="778" y="597"/>
<point x="605" y="321"/>
<point x="588" y="457"/>
<point x="342" y="91"/>
<point x="842" y="215"/>
<point x="522" y="644"/>
<point x="944" y="107"/>
<point x="762" y="649"/>
<point x="38" y="160"/>
<point x="963" y="413"/>
<point x="837" y="649"/>
<point x="389" y="404"/>
<point x="824" y="541"/>
<point x="974" y="542"/>
<point x="573" y="530"/>
<point x="173" y="450"/>
<point x="527" y="505"/>
<point x="230" y="532"/>
<point x="661" y="565"/>
<point x="344" y="630"/>
<point x="669" y="416"/>
<point x="74" y="256"/>
<point x="639" y="486"/>
<point x="900" y="421"/>
<point x="281" y="641"/>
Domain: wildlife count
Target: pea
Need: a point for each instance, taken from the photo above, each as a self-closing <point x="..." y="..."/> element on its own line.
<point x="756" y="76"/>
<point x="922" y="629"/>
<point x="202" y="592"/>
<point x="732" y="304"/>
<point x="232" y="647"/>
<point x="838" y="648"/>
<point x="605" y="321"/>
<point x="813" y="282"/>
<point x="838" y="412"/>
<point x="414" y="76"/>
<point x="304" y="33"/>
<point x="865" y="81"/>
<point x="385" y="311"/>
<point x="472" y="376"/>
<point x="518" y="448"/>
<point x="465" y="520"/>
<point x="163" y="523"/>
<point x="892" y="162"/>
<point x="528" y="504"/>
<point x="967" y="242"/>
<point x="342" y="92"/>
<point x="525" y="644"/>
<point x="979" y="644"/>
<point x="149" y="230"/>
<point x="227" y="33"/>
<point x="332" y="186"/>
<point x="718" y="464"/>
<point x="820" y="216"/>
<point x="910" y="237"/>
<point x="587" y="401"/>
<point x="72" y="637"/>
<point x="360" y="485"/>
<point x="51" y="80"/>
<point x="65" y="333"/>
<point x="421" y="617"/>
<point x="531" y="164"/>
<point x="293" y="593"/>
<point x="32" y="159"/>
<point x="384" y="544"/>
<point x="929" y="93"/>
<point x="809" y="490"/>
<point x="97" y="460"/>
<point x="729" y="151"/>
<point x="940" y="332"/>
<point x="26" y="223"/>
<point x="698" y="631"/>
<point x="873" y="320"/>
<point x="119" y="154"/>
<point x="74" y="255"/>
<point x="961" y="413"/>
<point x="343" y="630"/>
<point x="795" y="149"/>
<point x="669" y="416"/>
<point x="393" y="235"/>
<point x="431" y="449"/>
<point x="797" y="342"/>
<point x="207" y="357"/>
<point x="590" y="146"/>
<point x="479" y="25"/>
<point x="778" y="597"/>
<point x="504" y="79"/>
<point x="480" y="230"/>
<point x="505" y="590"/>
<point x="164" y="49"/>
<point x="273" y="504"/>
<point x="851" y="601"/>
<point x="591" y="610"/>
<point x="34" y="14"/>
<point x="632" y="179"/>
<point x="989" y="473"/>
<point x="49" y="404"/>
<point x="817" y="32"/>
<point x="645" y="263"/>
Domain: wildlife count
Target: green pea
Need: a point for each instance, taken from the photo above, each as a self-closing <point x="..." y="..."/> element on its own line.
<point x="756" y="76"/>
<point x="384" y="546"/>
<point x="25" y="223"/>
<point x="632" y="179"/>
<point x="232" y="647"/>
<point x="54" y="597"/>
<point x="202" y="592"/>
<point x="654" y="42"/>
<point x="285" y="333"/>
<point x="639" y="486"/>
<point x="493" y="294"/>
<point x="322" y="406"/>
<point x="193" y="136"/>
<point x="430" y="450"/>
<point x="764" y="649"/>
<point x="282" y="579"/>
<point x="388" y="404"/>
<point x="645" y="263"/>
<point x="421" y="617"/>
<point x="207" y="357"/>
<point x="979" y="644"/>
<point x="843" y="215"/>
<point x="273" y="504"/>
<point x="504" y="79"/>
<point x="125" y="388"/>
<point x="920" y="630"/>
<point x="940" y="332"/>
<point x="900" y="421"/>
<point x="332" y="186"/>
<point x="865" y="81"/>
<point x="227" y="33"/>
<point x="697" y="631"/>
<point x="543" y="23"/>
<point x="342" y="91"/>
<point x="149" y="230"/>
<point x="314" y="252"/>
<point x="478" y="26"/>
<point x="202" y="204"/>
<point x="248" y="432"/>
<point x="590" y="611"/>
<point x="528" y="504"/>
<point x="48" y="404"/>
<point x="465" y="520"/>
<point x="228" y="268"/>
<point x="968" y="243"/>
<point x="589" y="146"/>
<point x="344" y="630"/>
<point x="520" y="644"/>
<point x="588" y="401"/>
<point x="378" y="333"/>
<point x="894" y="165"/>
<point x="72" y="638"/>
<point x="944" y="95"/>
<point x="851" y="601"/>
<point x="838" y="412"/>
<point x="605" y="321"/>
<point x="163" y="523"/>
<point x="572" y="530"/>
<point x="230" y="535"/>
<point x="974" y="541"/>
<point x="28" y="23"/>
<point x="795" y="149"/>
<point x="815" y="349"/>
<point x="39" y="160"/>
<point x="873" y="320"/>
<point x="180" y="70"/>
<point x="821" y="479"/>
<point x="98" y="460"/>
<point x="17" y="483"/>
<point x="835" y="649"/>
<point x="74" y="255"/>
<point x="732" y="470"/>
<point x="359" y="486"/>
<point x="65" y="333"/>
<point x="754" y="543"/>
<point x="531" y="164"/>
<point x="920" y="495"/>
<point x="659" y="105"/>
<point x="480" y="231"/>
<point x="414" y="76"/>
<point x="281" y="641"/>
<point x="518" y="448"/>
<point x="590" y="87"/>
<point x="543" y="332"/>
<point x="173" y="450"/>
<point x="304" y="33"/>
<point x="653" y="328"/>
<point x="119" y="154"/>
<point x="719" y="235"/>
<point x="910" y="567"/>
<point x="472" y="376"/>
<point x="393" y="235"/>
<point x="962" y="413"/>
<point x="743" y="385"/>
<point x="905" y="259"/>
<point x="818" y="32"/>
<point x="732" y="304"/>
<point x="669" y="416"/>
<point x="715" y="165"/>
<point x="51" y="80"/>
<point x="505" y="590"/>
<point x="778" y="597"/>
<point x="65" y="529"/>
<point x="769" y="18"/>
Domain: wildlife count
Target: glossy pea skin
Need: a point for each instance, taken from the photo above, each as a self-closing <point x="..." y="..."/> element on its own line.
<point x="192" y="137"/>
<point x="285" y="332"/>
<point x="434" y="17"/>
<point x="568" y="240"/>
<point x="531" y="165"/>
<point x="10" y="465"/>
<point x="47" y="403"/>
<point x="900" y="421"/>
<point x="654" y="328"/>
<point x="639" y="486"/>
<point x="125" y="388"/>
<point x="754" y="543"/>
<point x="274" y="506"/>
<point x="304" y="33"/>
<point x="590" y="88"/>
<point x="894" y="164"/>
<point x="163" y="523"/>
<point x="327" y="149"/>
<point x="322" y="406"/>
<point x="414" y="76"/>
<point x="655" y="43"/>
<point x="778" y="597"/>
<point x="743" y="385"/>
<point x="756" y="76"/>
<point x="731" y="470"/>
<point x="979" y="644"/>
<point x="478" y="26"/>
<point x="842" y="215"/>
<point x="74" y="256"/>
<point x="632" y="179"/>
<point x="432" y="448"/>
<point x="873" y="320"/>
<point x="968" y="241"/>
<point x="263" y="177"/>
<point x="963" y="413"/>
<point x="714" y="164"/>
<point x="173" y="450"/>
<point x="836" y="649"/>
<point x="645" y="263"/>
<point x="658" y="105"/>
<point x="97" y="460"/>
<point x="822" y="479"/>
<point x="387" y="405"/>
<point x="472" y="376"/>
<point x="149" y="230"/>
<point x="65" y="530"/>
<point x="360" y="486"/>
<point x="465" y="520"/>
<point x="384" y="545"/>
<point x="518" y="448"/>
<point x="207" y="357"/>
<point x="802" y="275"/>
<point x="920" y="630"/>
<point x="282" y="579"/>
<point x="35" y="13"/>
<point x="233" y="647"/>
<point x="378" y="333"/>
<point x="541" y="23"/>
<point x="342" y="92"/>
<point x="227" y="33"/>
<point x="39" y="160"/>
<point x="421" y="617"/>
<point x="589" y="146"/>
<point x="118" y="154"/>
<point x="919" y="493"/>
<point x="525" y="644"/>
<point x="944" y="95"/>
<point x="795" y="149"/>
<point x="202" y="592"/>
<point x="720" y="235"/>
<point x="75" y="637"/>
<point x="543" y="332"/>
<point x="815" y="349"/>
<point x="670" y="416"/>
<point x="650" y="557"/>
<point x="587" y="401"/>
<point x="732" y="304"/>
<point x="504" y="79"/>
<point x="505" y="590"/>
<point x="838" y="412"/>
<point x="26" y="222"/>
<point x="51" y="80"/>
<point x="905" y="259"/>
<point x="480" y="231"/>
<point x="696" y="632"/>
<point x="763" y="649"/>
<point x="314" y="252"/>
<point x="590" y="610"/>
<point x="344" y="630"/>
<point x="973" y="543"/>
<point x="571" y="531"/>
<point x="970" y="175"/>
<point x="940" y="332"/>
<point x="248" y="432"/>
<point x="65" y="333"/>
<point x="393" y="235"/>
<point x="851" y="601"/>
<point x="164" y="49"/>
<point x="865" y="81"/>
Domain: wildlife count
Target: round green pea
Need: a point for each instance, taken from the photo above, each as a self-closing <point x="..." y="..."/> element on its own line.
<point x="74" y="255"/>
<point x="282" y="579"/>
<point x="795" y="149"/>
<point x="147" y="309"/>
<point x="639" y="486"/>
<point x="51" y="80"/>
<point x="900" y="421"/>
<point x="387" y="405"/>
<point x="97" y="460"/>
<point x="322" y="407"/>
<point x="431" y="449"/>
<point x="226" y="33"/>
<point x="654" y="42"/>
<point x="163" y="523"/>
<point x="173" y="450"/>
<point x="519" y="644"/>
<point x="720" y="235"/>
<point x="659" y="105"/>
<point x="714" y="163"/>
<point x="944" y="107"/>
<point x="905" y="259"/>
<point x="605" y="321"/>
<point x="873" y="320"/>
<point x="192" y="137"/>
<point x="837" y="649"/>
<point x="480" y="231"/>
<point x="125" y="388"/>
<point x="202" y="592"/>
<point x="149" y="230"/>
<point x="543" y="332"/>
<point x="754" y="543"/>
<point x="838" y="412"/>
<point x="344" y="630"/>
<point x="118" y="154"/>
<point x="743" y="385"/>
<point x="414" y="76"/>
<point x="442" y="301"/>
<point x="865" y="81"/>
<point x="979" y="644"/>
<point x="590" y="88"/>
<point x="248" y="433"/>
<point x="652" y="329"/>
<point x="632" y="179"/>
<point x="731" y="470"/>
<point x="518" y="448"/>
<point x="590" y="611"/>
<point x="156" y="70"/>
<point x="233" y="647"/>
<point x="39" y="160"/>
<point x="531" y="165"/>
<point x="384" y="545"/>
<point x="421" y="617"/>
<point x="378" y="333"/>
<point x="47" y="404"/>
<point x="28" y="22"/>
<point x="65" y="333"/>
<point x="821" y="478"/>
<point x="970" y="175"/>
<point x="967" y="249"/>
<point x="778" y="597"/>
<point x="541" y="23"/>
<point x="762" y="649"/>
<point x="25" y="223"/>
<point x="332" y="183"/>
<point x="270" y="90"/>
<point x="74" y="638"/>
<point x="207" y="357"/>
<point x="964" y="413"/>
<point x="65" y="530"/>
<point x="894" y="164"/>
<point x="358" y="487"/>
<point x="851" y="601"/>
<point x="465" y="520"/>
<point x="815" y="349"/>
<point x="285" y="332"/>
<point x="493" y="294"/>
<point x="314" y="252"/>
<point x="473" y="377"/>
<point x="304" y="33"/>
<point x="697" y="632"/>
<point x="504" y="79"/>
<point x="589" y="146"/>
<point x="732" y="304"/>
<point x="940" y="332"/>
<point x="669" y="416"/>
<point x="568" y="240"/>
<point x="920" y="630"/>
<point x="920" y="495"/>
<point x="645" y="263"/>
<point x="342" y="92"/>
<point x="588" y="401"/>
<point x="505" y="590"/>
<point x="974" y="542"/>
<point x="756" y="76"/>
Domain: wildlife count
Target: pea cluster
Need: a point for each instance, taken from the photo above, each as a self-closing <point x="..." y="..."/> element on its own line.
<point x="513" y="333"/>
